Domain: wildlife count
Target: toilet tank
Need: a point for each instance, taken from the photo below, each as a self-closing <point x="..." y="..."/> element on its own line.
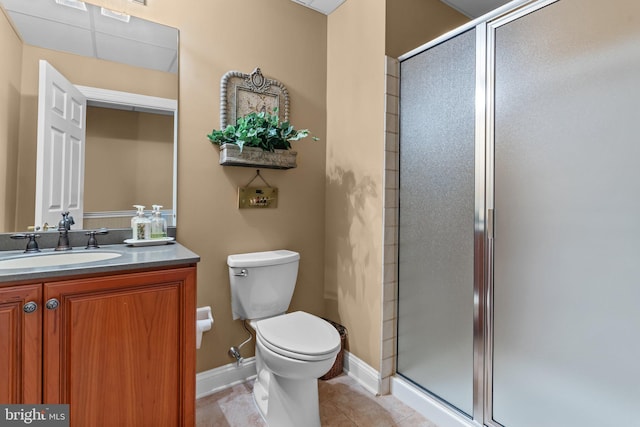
<point x="262" y="283"/>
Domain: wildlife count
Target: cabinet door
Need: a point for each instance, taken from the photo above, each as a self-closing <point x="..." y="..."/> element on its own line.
<point x="20" y="332"/>
<point x="120" y="350"/>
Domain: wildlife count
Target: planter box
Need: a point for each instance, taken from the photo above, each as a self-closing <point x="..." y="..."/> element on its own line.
<point x="230" y="155"/>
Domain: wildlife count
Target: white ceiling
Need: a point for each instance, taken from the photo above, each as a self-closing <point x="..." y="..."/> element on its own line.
<point x="139" y="43"/>
<point x="475" y="8"/>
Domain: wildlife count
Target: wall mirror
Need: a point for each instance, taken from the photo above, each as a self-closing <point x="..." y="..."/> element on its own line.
<point x="122" y="62"/>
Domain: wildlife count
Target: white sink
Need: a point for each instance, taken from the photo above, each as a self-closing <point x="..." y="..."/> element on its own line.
<point x="55" y="259"/>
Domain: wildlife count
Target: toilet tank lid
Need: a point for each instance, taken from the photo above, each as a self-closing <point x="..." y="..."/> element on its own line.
<point x="261" y="259"/>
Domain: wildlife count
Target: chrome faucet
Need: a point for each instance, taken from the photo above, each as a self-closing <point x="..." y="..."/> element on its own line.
<point x="68" y="220"/>
<point x="63" y="228"/>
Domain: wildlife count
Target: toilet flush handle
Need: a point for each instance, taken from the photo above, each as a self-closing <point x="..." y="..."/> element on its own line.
<point x="243" y="273"/>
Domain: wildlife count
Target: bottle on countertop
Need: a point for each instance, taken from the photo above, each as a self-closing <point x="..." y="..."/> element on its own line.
<point x="158" y="223"/>
<point x="140" y="224"/>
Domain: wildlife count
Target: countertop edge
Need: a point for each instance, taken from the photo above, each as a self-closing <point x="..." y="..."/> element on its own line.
<point x="131" y="258"/>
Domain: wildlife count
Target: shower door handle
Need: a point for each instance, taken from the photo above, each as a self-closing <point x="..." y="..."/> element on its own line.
<point x="490" y="223"/>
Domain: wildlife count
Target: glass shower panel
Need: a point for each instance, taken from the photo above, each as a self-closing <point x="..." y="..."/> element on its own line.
<point x="436" y="221"/>
<point x="566" y="349"/>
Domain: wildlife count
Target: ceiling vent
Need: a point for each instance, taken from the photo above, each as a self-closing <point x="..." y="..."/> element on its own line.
<point x="80" y="5"/>
<point x="322" y="6"/>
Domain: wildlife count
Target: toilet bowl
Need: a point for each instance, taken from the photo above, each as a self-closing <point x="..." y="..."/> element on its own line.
<point x="297" y="345"/>
<point x="292" y="349"/>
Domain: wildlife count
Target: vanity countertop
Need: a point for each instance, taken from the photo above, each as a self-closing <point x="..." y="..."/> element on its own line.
<point x="131" y="258"/>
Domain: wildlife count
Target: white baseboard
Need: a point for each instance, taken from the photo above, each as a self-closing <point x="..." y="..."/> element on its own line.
<point x="218" y="379"/>
<point x="214" y="380"/>
<point x="364" y="374"/>
<point x="428" y="406"/>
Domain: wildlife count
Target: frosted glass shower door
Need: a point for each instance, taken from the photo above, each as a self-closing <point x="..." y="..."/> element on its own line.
<point x="566" y="296"/>
<point x="436" y="222"/>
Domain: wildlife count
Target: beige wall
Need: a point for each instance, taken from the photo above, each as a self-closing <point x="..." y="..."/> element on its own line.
<point x="10" y="76"/>
<point x="331" y="206"/>
<point x="355" y="154"/>
<point x="412" y="23"/>
<point x="128" y="160"/>
<point x="354" y="174"/>
<point x="82" y="71"/>
<point x="288" y="42"/>
<point x="85" y="71"/>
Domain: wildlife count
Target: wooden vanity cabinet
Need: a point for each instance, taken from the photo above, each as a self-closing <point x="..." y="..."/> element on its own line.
<point x="119" y="349"/>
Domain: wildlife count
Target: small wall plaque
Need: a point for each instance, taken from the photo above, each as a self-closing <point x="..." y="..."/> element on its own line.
<point x="257" y="197"/>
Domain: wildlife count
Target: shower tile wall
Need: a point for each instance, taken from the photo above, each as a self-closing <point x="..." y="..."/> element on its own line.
<point x="390" y="267"/>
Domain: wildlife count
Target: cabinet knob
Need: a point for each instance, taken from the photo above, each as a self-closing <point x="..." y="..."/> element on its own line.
<point x="30" y="307"/>
<point x="52" y="304"/>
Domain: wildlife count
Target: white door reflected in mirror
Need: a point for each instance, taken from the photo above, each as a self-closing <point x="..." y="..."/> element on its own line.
<point x="60" y="150"/>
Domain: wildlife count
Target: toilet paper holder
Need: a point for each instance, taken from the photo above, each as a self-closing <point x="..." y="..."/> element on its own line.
<point x="204" y="321"/>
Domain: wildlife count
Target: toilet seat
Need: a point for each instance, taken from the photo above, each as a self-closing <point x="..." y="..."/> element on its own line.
<point x="299" y="335"/>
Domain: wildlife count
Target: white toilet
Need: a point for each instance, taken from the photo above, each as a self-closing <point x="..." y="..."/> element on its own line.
<point x="292" y="350"/>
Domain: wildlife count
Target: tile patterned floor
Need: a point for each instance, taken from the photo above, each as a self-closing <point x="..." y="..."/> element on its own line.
<point x="343" y="403"/>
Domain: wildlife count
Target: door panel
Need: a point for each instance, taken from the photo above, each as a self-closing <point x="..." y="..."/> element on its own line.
<point x="567" y="116"/>
<point x="436" y="222"/>
<point x="115" y="349"/>
<point x="60" y="151"/>
<point x="20" y="341"/>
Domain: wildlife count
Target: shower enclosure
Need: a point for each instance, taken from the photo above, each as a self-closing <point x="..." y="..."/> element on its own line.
<point x="519" y="222"/>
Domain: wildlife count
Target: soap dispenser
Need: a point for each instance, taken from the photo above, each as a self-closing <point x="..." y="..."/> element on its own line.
<point x="140" y="224"/>
<point x="158" y="223"/>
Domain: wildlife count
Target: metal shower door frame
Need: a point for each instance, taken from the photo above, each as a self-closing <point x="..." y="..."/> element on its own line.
<point x="486" y="206"/>
<point x="485" y="27"/>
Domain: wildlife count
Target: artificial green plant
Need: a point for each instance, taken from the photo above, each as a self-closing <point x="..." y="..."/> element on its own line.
<point x="261" y="130"/>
